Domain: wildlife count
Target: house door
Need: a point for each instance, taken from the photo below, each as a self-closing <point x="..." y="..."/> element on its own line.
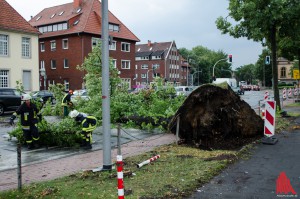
<point x="27" y="80"/>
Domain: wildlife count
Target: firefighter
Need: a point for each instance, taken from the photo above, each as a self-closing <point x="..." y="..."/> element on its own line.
<point x="88" y="124"/>
<point x="29" y="119"/>
<point x="66" y="103"/>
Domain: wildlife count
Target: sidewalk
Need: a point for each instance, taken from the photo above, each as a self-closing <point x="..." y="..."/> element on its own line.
<point x="52" y="169"/>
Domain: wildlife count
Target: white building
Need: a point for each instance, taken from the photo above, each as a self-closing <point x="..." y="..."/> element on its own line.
<point x="18" y="50"/>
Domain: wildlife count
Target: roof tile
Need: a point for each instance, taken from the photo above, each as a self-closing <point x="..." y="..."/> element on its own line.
<point x="10" y="19"/>
<point x="89" y="20"/>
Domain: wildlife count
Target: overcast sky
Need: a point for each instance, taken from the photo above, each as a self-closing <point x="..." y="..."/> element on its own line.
<point x="188" y="22"/>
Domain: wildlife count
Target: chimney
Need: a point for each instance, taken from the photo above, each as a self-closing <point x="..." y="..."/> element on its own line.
<point x="149" y="43"/>
<point x="77" y="3"/>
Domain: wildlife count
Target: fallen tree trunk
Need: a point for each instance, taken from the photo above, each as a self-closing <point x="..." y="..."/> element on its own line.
<point x="214" y="117"/>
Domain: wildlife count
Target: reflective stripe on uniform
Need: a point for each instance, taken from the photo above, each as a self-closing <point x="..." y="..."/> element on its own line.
<point x="25" y="127"/>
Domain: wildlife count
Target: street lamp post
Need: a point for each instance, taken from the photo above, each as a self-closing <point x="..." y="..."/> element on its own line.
<point x="200" y="71"/>
<point x="216" y="64"/>
<point x="44" y="75"/>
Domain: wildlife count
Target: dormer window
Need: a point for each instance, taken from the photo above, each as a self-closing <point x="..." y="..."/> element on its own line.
<point x="62" y="12"/>
<point x="76" y="22"/>
<point x="38" y="18"/>
<point x="113" y="27"/>
<point x="78" y="10"/>
<point x="52" y="16"/>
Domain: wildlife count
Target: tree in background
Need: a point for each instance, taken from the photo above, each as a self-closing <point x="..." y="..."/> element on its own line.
<point x="263" y="71"/>
<point x="202" y="61"/>
<point x="256" y="19"/>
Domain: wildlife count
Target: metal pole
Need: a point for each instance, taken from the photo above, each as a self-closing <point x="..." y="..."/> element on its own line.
<point x="216" y="64"/>
<point x="107" y="164"/>
<point x="177" y="129"/>
<point x="19" y="166"/>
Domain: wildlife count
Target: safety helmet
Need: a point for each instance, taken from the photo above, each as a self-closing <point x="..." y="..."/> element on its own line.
<point x="71" y="92"/>
<point x="74" y="114"/>
<point x="26" y="97"/>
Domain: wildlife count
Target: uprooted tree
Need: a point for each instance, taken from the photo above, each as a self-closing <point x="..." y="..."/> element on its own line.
<point x="214" y="117"/>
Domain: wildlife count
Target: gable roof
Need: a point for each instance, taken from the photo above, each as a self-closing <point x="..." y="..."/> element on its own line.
<point x="11" y="20"/>
<point x="88" y="16"/>
<point x="154" y="49"/>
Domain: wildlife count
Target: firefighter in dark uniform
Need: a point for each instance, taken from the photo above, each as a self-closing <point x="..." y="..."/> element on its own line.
<point x="66" y="103"/>
<point x="88" y="124"/>
<point x="29" y="119"/>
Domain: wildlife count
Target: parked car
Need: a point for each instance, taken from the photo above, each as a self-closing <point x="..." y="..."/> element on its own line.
<point x="10" y="99"/>
<point x="183" y="90"/>
<point x="44" y="95"/>
<point x="80" y="94"/>
<point x="238" y="90"/>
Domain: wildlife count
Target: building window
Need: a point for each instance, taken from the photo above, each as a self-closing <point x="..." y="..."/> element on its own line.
<point x="125" y="47"/>
<point x="95" y="42"/>
<point x="3" y="78"/>
<point x="143" y="76"/>
<point x="155" y="66"/>
<point x="3" y="45"/>
<point x="114" y="63"/>
<point x="65" y="44"/>
<point x="144" y="66"/>
<point x="67" y="85"/>
<point x="283" y="72"/>
<point x="113" y="45"/>
<point x="113" y="27"/>
<point x="53" y="28"/>
<point x="53" y="64"/>
<point x="126" y="83"/>
<point x="42" y="46"/>
<point x="53" y="45"/>
<point x="25" y="47"/>
<point x="125" y="64"/>
<point x="66" y="63"/>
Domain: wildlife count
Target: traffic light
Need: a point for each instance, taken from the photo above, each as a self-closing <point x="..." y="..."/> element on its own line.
<point x="267" y="61"/>
<point x="230" y="58"/>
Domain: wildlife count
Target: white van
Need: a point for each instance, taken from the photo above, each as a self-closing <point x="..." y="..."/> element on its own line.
<point x="183" y="90"/>
<point x="230" y="81"/>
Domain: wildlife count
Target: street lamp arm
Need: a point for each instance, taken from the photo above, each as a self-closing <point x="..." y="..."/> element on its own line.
<point x="216" y="64"/>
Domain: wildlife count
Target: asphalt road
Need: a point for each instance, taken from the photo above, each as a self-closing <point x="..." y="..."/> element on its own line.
<point x="258" y="176"/>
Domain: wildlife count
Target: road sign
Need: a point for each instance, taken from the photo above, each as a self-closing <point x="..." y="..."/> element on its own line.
<point x="270" y="118"/>
<point x="296" y="74"/>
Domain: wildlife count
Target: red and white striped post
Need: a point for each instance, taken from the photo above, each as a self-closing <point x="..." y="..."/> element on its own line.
<point x="290" y="93"/>
<point x="269" y="129"/>
<point x="284" y="93"/>
<point x="120" y="177"/>
<point x="148" y="161"/>
<point x="295" y="91"/>
<point x="266" y="97"/>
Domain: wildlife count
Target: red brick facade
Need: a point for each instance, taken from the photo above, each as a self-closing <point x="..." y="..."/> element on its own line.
<point x="79" y="22"/>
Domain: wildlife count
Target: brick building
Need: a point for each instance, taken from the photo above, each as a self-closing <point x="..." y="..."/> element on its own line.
<point x="69" y="32"/>
<point x="159" y="59"/>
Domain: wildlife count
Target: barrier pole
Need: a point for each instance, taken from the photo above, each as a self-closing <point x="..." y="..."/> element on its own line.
<point x="177" y="129"/>
<point x="148" y="161"/>
<point x="120" y="177"/>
